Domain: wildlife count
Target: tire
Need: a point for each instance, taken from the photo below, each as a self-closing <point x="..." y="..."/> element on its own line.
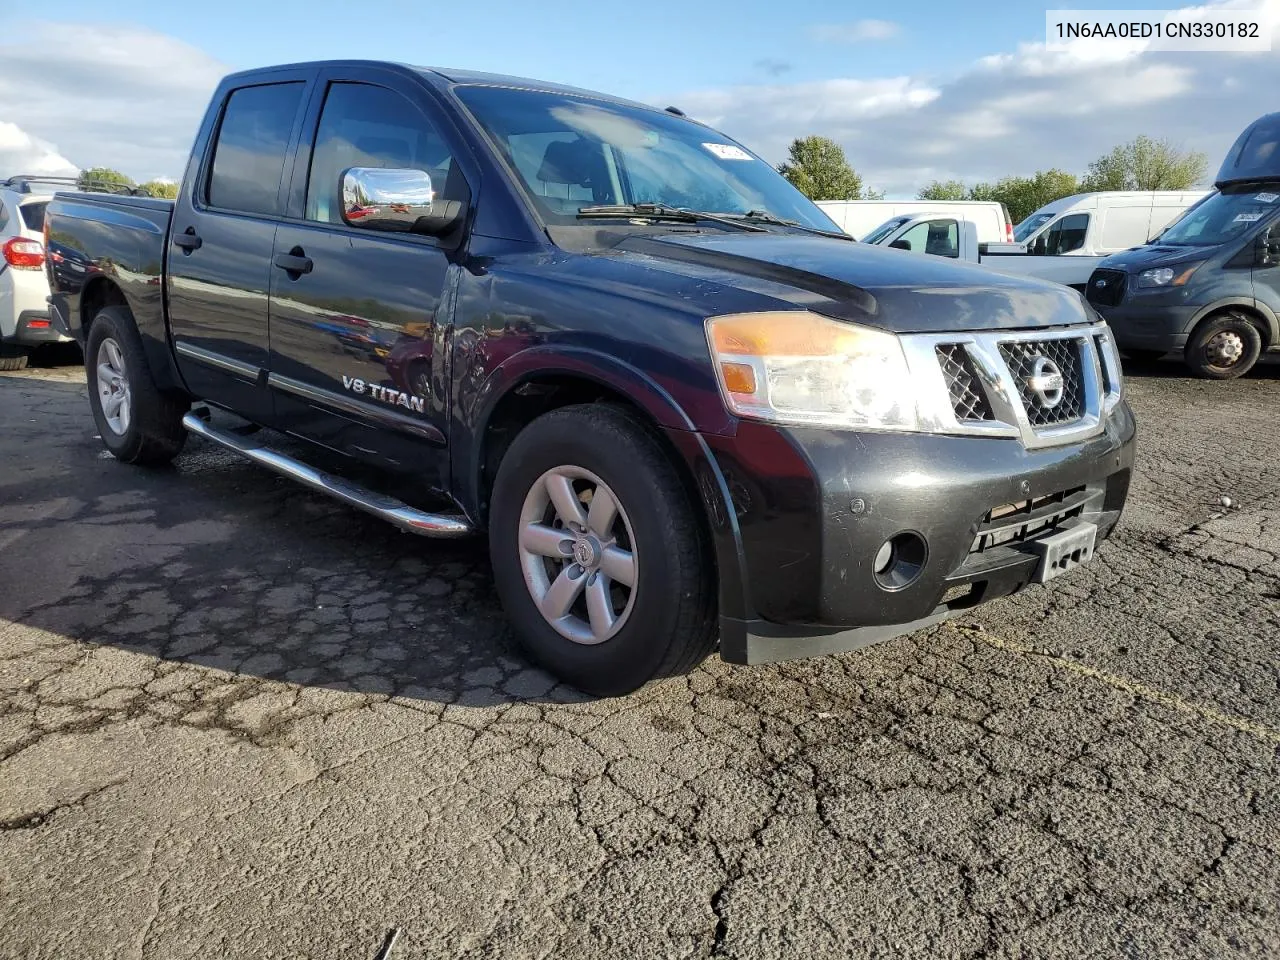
<point x="665" y="623"/>
<point x="1227" y="337"/>
<point x="13" y="357"/>
<point x="149" y="431"/>
<point x="1144" y="356"/>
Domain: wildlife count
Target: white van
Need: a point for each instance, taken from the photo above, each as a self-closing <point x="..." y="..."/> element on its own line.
<point x="863" y="218"/>
<point x="1066" y="239"/>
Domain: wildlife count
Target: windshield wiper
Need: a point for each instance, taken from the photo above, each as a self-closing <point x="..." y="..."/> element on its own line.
<point x="656" y="211"/>
<point x="764" y="216"/>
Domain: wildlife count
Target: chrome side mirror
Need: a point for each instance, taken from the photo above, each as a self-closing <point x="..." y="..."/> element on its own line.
<point x="403" y="200"/>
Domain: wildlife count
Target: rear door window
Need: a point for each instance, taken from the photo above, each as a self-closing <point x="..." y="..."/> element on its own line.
<point x="252" y="145"/>
<point x="33" y="214"/>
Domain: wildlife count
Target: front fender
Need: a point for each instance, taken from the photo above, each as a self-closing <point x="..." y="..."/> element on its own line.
<point x="708" y="485"/>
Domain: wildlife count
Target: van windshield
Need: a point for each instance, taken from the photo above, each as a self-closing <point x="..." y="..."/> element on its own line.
<point x="1030" y="225"/>
<point x="886" y="228"/>
<point x="1224" y="217"/>
<point x="572" y="151"/>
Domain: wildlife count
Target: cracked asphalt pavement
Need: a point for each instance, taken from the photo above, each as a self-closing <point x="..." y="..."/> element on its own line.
<point x="240" y="720"/>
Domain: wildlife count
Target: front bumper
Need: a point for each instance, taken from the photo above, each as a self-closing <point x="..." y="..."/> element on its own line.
<point x="814" y="507"/>
<point x="1141" y="326"/>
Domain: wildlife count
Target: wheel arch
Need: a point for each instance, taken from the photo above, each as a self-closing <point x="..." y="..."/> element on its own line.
<point x="1256" y="312"/>
<point x="148" y="319"/>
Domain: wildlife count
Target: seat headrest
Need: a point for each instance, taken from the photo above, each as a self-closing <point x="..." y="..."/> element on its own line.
<point x="577" y="162"/>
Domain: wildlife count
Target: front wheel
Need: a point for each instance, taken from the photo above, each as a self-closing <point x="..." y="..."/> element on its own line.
<point x="137" y="422"/>
<point x="597" y="552"/>
<point x="1224" y="347"/>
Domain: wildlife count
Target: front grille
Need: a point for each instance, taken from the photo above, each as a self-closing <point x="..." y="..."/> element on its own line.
<point x="1013" y="523"/>
<point x="1106" y="287"/>
<point x="1028" y="359"/>
<point x="967" y="398"/>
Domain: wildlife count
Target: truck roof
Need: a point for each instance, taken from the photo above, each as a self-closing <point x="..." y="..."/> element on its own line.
<point x="444" y="77"/>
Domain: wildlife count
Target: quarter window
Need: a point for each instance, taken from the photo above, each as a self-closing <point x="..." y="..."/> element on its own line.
<point x="250" y="153"/>
<point x="362" y="125"/>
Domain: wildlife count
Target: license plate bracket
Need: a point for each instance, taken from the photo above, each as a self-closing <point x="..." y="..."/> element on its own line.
<point x="1064" y="549"/>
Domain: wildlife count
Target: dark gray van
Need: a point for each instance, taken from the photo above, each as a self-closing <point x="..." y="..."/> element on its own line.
<point x="1209" y="286"/>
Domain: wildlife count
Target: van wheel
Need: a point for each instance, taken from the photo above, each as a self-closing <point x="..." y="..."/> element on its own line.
<point x="597" y="552"/>
<point x="13" y="357"/>
<point x="137" y="422"/>
<point x="1224" y="347"/>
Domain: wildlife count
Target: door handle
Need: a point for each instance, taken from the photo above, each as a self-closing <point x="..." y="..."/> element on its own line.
<point x="293" y="262"/>
<point x="188" y="240"/>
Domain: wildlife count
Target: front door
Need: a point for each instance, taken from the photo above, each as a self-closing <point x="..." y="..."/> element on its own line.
<point x="358" y="316"/>
<point x="221" y="242"/>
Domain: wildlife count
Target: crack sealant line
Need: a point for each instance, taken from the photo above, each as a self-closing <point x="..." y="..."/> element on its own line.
<point x="1258" y="730"/>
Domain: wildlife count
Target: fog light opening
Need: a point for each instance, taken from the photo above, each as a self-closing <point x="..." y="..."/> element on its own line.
<point x="900" y="561"/>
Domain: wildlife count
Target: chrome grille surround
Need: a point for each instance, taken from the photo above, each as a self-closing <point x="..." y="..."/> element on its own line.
<point x="1100" y="383"/>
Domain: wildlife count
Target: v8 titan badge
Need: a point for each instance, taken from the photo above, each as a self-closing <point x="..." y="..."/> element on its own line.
<point x="389" y="395"/>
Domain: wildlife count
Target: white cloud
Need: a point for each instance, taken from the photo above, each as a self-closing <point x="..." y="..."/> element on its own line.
<point x="1040" y="106"/>
<point x="857" y="32"/>
<point x="22" y="153"/>
<point x="119" y="97"/>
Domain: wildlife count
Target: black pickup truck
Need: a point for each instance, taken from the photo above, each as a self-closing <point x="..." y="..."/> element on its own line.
<point x="686" y="409"/>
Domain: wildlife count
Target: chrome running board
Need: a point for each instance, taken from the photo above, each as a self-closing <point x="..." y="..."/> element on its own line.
<point x="407" y="518"/>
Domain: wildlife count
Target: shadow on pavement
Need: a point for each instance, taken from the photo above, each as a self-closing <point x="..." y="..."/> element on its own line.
<point x="216" y="562"/>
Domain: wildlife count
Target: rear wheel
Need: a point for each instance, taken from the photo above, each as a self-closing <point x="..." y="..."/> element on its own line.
<point x="1224" y="347"/>
<point x="138" y="422"/>
<point x="13" y="357"/>
<point x="597" y="552"/>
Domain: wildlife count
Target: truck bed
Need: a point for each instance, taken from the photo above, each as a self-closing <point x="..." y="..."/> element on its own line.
<point x="102" y="241"/>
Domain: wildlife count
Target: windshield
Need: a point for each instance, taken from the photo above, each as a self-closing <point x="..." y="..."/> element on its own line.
<point x="572" y="152"/>
<point x="1030" y="225"/>
<point x="1223" y="217"/>
<point x="886" y="228"/>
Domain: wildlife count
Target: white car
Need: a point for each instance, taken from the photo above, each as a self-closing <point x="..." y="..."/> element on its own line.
<point x="25" y="322"/>
<point x="868" y="220"/>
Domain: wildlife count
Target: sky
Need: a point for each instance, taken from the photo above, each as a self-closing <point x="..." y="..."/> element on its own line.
<point x="913" y="92"/>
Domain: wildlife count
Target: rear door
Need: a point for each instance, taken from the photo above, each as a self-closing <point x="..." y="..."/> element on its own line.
<point x="358" y="359"/>
<point x="221" y="242"/>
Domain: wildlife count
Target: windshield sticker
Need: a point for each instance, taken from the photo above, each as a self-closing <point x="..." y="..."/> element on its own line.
<point x="1266" y="197"/>
<point x="727" y="151"/>
<point x="1247" y="217"/>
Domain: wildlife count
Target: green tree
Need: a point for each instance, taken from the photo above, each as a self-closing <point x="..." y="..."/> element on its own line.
<point x="1146" y="164"/>
<point x="944" y="190"/>
<point x="160" y="188"/>
<point x="1023" y="196"/>
<point x="818" y="169"/>
<point x="102" y="178"/>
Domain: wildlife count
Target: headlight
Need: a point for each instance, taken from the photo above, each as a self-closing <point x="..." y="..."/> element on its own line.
<point x="797" y="367"/>
<point x="1167" y="276"/>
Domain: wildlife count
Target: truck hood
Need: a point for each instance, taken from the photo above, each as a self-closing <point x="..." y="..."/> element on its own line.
<point x="894" y="290"/>
<point x="1153" y="255"/>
